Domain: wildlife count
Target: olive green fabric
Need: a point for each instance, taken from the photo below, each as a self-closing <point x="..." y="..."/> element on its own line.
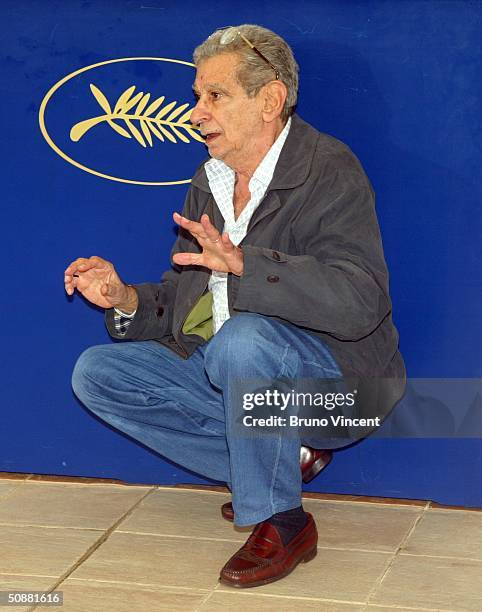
<point x="200" y="320"/>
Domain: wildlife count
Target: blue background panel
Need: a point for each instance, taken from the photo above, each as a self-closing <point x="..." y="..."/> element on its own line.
<point x="398" y="81"/>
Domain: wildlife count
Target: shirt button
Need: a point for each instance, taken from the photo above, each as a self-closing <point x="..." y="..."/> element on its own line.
<point x="272" y="278"/>
<point x="275" y="255"/>
<point x="160" y="311"/>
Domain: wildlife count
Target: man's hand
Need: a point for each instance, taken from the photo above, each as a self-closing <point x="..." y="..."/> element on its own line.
<point x="218" y="253"/>
<point x="97" y="280"/>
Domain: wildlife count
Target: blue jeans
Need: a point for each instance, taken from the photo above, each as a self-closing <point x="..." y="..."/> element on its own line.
<point x="186" y="409"/>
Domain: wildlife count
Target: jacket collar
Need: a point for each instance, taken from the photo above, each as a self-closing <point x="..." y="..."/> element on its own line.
<point x="294" y="162"/>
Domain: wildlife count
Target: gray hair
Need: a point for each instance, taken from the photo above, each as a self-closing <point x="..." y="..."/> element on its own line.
<point x="253" y="72"/>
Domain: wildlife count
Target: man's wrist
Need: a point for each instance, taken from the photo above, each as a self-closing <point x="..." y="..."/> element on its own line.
<point x="132" y="302"/>
<point x="239" y="266"/>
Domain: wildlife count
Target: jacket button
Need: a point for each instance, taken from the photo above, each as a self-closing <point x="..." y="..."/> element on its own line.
<point x="272" y="278"/>
<point x="160" y="311"/>
<point x="275" y="255"/>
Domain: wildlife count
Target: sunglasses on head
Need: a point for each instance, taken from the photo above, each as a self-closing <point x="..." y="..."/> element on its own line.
<point x="229" y="35"/>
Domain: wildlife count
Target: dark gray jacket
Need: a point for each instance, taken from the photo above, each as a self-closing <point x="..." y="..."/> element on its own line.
<point x="312" y="256"/>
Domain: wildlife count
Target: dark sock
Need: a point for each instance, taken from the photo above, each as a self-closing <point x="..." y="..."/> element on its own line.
<point x="289" y="523"/>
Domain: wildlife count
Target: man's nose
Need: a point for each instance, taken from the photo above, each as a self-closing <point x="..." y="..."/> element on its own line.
<point x="199" y="113"/>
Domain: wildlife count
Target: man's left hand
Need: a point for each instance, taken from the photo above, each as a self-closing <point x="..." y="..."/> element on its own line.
<point x="218" y="252"/>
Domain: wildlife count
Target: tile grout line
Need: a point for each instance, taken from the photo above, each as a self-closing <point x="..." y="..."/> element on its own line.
<point x="7" y="524"/>
<point x="14" y="490"/>
<point x="351" y="502"/>
<point x="105" y="535"/>
<point x="182" y="537"/>
<point x="389" y="565"/>
<point x="395" y="607"/>
<point x="148" y="585"/>
<point x="404" y="554"/>
<point x="208" y="596"/>
<point x="229" y="540"/>
<point x="240" y="593"/>
<point x="68" y="483"/>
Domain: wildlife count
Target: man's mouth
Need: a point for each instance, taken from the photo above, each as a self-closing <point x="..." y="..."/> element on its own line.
<point x="210" y="137"/>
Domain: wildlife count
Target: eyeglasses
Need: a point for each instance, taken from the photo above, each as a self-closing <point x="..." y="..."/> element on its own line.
<point x="230" y="35"/>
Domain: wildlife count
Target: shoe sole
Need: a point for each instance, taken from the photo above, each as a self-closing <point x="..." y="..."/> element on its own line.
<point x="309" y="556"/>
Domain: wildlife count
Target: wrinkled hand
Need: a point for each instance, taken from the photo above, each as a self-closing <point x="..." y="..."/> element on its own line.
<point x="97" y="281"/>
<point x="218" y="252"/>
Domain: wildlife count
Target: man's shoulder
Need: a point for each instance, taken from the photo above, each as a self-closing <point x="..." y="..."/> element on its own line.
<point x="309" y="154"/>
<point x="327" y="146"/>
<point x="306" y="151"/>
<point x="302" y="130"/>
<point x="333" y="156"/>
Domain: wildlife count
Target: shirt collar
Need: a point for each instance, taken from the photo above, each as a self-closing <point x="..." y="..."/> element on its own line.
<point x="294" y="163"/>
<point x="215" y="168"/>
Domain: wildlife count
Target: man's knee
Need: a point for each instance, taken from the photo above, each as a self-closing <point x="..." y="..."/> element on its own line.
<point x="89" y="369"/>
<point x="240" y="334"/>
<point x="243" y="340"/>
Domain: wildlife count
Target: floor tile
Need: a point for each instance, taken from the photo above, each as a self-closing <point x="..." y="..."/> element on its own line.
<point x="198" y="487"/>
<point x="338" y="497"/>
<point x="81" y="480"/>
<point x="450" y="533"/>
<point x="10" y="582"/>
<point x="375" y="608"/>
<point x="362" y="526"/>
<point x="7" y="487"/>
<point x="155" y="560"/>
<point x="91" y="596"/>
<point x="68" y="505"/>
<point x="220" y="601"/>
<point x="41" y="550"/>
<point x="187" y="513"/>
<point x="431" y="582"/>
<point x="333" y="574"/>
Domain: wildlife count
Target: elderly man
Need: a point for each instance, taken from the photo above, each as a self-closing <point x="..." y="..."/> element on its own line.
<point x="278" y="274"/>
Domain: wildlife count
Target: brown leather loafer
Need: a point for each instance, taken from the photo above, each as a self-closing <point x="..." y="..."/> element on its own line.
<point x="264" y="558"/>
<point x="312" y="461"/>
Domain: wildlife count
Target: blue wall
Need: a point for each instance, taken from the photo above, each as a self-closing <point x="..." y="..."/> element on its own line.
<point x="399" y="81"/>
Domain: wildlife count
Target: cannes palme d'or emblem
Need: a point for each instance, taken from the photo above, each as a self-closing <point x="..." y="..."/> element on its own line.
<point x="134" y="115"/>
<point x="159" y="119"/>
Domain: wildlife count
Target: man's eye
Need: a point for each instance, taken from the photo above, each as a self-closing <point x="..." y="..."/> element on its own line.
<point x="215" y="95"/>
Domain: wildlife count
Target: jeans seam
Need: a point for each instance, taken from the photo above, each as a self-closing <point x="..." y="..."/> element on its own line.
<point x="206" y="429"/>
<point x="327" y="370"/>
<point x="275" y="472"/>
<point x="283" y="369"/>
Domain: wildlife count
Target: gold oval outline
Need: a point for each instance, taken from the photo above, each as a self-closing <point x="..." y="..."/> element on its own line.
<point x="64" y="156"/>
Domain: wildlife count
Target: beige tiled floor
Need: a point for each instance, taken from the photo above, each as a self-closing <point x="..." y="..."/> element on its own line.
<point x="115" y="548"/>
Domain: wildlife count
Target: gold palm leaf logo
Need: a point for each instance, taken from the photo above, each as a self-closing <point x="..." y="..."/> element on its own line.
<point x="170" y="120"/>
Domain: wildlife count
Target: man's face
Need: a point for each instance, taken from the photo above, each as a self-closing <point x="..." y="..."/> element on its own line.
<point x="232" y="122"/>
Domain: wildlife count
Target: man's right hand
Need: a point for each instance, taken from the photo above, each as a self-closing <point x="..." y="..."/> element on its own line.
<point x="97" y="280"/>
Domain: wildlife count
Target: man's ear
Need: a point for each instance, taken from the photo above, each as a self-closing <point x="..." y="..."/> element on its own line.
<point x="274" y="97"/>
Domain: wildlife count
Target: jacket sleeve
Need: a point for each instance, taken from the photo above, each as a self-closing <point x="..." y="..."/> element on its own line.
<point x="339" y="283"/>
<point x="153" y="318"/>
